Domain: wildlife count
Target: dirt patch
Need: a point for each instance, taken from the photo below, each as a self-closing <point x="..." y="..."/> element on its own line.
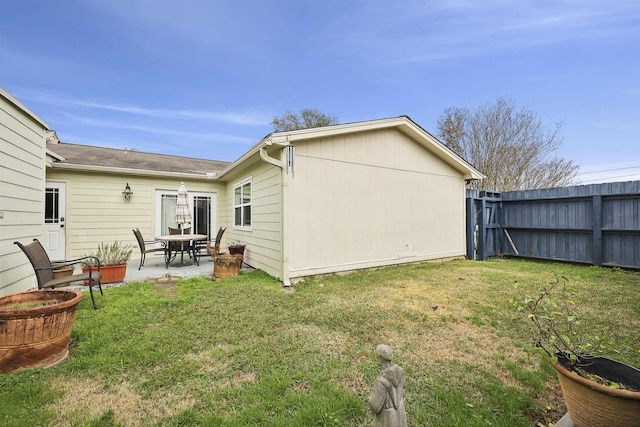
<point x="166" y="286"/>
<point x="88" y="399"/>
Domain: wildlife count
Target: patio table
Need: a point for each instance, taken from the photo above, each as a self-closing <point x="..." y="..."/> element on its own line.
<point x="183" y="238"/>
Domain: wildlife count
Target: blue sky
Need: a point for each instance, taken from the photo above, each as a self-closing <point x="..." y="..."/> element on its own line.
<point x="204" y="78"/>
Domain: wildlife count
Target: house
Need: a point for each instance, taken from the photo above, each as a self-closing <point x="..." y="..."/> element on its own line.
<point x="22" y="175"/>
<point x="306" y="202"/>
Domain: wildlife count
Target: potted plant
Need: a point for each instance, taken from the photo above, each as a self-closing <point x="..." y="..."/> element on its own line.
<point x="236" y="248"/>
<point x="113" y="261"/>
<point x="598" y="391"/>
<point x="61" y="269"/>
<point x="226" y="265"/>
<point x="36" y="328"/>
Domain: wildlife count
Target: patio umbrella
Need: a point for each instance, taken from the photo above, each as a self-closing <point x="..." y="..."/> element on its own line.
<point x="183" y="211"/>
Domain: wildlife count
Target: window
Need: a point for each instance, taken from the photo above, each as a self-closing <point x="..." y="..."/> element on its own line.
<point x="51" y="206"/>
<point x="242" y="204"/>
<point x="203" y="207"/>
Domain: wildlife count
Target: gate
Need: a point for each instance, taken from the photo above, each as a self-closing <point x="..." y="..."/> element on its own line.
<point x="483" y="224"/>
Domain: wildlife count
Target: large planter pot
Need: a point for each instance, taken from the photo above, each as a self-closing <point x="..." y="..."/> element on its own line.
<point x="595" y="405"/>
<point x="110" y="273"/>
<point x="35" y="328"/>
<point x="225" y="266"/>
<point x="236" y="250"/>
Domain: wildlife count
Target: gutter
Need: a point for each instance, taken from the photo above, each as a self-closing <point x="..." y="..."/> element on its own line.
<point x="206" y="176"/>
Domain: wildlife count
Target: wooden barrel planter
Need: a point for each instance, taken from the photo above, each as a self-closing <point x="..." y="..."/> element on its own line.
<point x="35" y="328"/>
<point x="225" y="266"/>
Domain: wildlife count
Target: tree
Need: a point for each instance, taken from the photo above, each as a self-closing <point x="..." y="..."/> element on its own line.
<point x="307" y="118"/>
<point x="510" y="146"/>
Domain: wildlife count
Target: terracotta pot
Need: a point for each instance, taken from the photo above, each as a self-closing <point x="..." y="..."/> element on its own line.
<point x="110" y="273"/>
<point x="35" y="328"/>
<point x="595" y="405"/>
<point x="63" y="272"/>
<point x="225" y="266"/>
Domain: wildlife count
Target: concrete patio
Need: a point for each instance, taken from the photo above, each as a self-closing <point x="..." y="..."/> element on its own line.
<point x="154" y="268"/>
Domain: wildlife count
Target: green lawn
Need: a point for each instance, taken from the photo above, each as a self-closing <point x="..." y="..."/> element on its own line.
<point x="244" y="351"/>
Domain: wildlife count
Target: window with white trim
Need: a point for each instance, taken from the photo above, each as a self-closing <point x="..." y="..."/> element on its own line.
<point x="242" y="204"/>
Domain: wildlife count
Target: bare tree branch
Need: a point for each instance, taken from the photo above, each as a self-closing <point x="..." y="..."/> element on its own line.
<point x="307" y="118"/>
<point x="510" y="146"/>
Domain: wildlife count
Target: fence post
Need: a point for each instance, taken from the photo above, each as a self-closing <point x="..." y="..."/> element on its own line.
<point x="597" y="230"/>
<point x="471" y="235"/>
<point x="482" y="229"/>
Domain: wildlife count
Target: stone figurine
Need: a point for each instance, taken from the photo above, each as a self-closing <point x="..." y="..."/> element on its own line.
<point x="386" y="401"/>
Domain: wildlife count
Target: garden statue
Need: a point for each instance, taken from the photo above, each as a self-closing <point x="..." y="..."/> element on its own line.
<point x="386" y="401"/>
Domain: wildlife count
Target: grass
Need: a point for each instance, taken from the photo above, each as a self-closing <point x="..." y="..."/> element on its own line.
<point x="246" y="352"/>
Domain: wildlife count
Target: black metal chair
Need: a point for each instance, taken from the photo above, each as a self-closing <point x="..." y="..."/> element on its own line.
<point x="175" y="247"/>
<point x="44" y="271"/>
<point x="143" y="248"/>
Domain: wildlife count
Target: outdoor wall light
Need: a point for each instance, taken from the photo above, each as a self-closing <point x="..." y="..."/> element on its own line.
<point x="127" y="192"/>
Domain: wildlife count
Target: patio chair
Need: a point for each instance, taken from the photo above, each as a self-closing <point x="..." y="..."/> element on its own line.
<point x="44" y="271"/>
<point x="175" y="247"/>
<point x="143" y="248"/>
<point x="215" y="249"/>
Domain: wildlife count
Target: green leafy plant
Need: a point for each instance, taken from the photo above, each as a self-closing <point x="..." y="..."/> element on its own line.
<point x="62" y="265"/>
<point x="115" y="253"/>
<point x="559" y="326"/>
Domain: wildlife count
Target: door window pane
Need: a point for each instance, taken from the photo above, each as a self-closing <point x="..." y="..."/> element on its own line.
<point x="51" y="206"/>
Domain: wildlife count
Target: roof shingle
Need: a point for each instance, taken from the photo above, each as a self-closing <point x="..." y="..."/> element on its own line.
<point x="85" y="155"/>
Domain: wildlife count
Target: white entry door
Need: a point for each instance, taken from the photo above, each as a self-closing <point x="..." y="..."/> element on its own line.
<point x="54" y="215"/>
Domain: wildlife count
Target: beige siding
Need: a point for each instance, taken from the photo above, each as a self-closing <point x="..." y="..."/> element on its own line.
<point x="372" y="199"/>
<point x="22" y="163"/>
<point x="97" y="212"/>
<point x="264" y="240"/>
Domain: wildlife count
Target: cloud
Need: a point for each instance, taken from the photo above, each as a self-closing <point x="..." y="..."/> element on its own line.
<point x="113" y="124"/>
<point x="427" y="31"/>
<point x="236" y="118"/>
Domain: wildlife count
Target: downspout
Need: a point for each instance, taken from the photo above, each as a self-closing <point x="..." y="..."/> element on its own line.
<point x="283" y="197"/>
<point x="267" y="158"/>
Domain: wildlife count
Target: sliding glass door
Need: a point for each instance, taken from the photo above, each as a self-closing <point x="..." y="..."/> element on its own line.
<point x="203" y="211"/>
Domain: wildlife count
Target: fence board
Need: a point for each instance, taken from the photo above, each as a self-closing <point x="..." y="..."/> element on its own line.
<point x="597" y="224"/>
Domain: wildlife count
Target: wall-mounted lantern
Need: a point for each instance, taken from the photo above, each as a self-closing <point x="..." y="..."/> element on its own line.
<point x="127" y="192"/>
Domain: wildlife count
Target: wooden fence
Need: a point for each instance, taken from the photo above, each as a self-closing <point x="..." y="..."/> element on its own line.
<point x="593" y="224"/>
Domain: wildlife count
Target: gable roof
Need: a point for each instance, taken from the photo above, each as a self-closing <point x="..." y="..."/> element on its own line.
<point x="6" y="95"/>
<point x="90" y="158"/>
<point x="403" y="123"/>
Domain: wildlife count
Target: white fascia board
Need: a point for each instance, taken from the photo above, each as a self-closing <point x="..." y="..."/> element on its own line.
<point x="55" y="156"/>
<point x="442" y="151"/>
<point x="253" y="150"/>
<point x="138" y="172"/>
<point x="20" y="106"/>
<point x="320" y="132"/>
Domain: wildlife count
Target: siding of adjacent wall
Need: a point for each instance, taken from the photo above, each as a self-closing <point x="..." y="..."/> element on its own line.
<point x="264" y="240"/>
<point x="22" y="164"/>
<point x="372" y="199"/>
<point x="97" y="212"/>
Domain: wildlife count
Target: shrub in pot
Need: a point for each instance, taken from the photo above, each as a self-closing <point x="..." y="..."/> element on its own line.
<point x="236" y="249"/>
<point x="113" y="261"/>
<point x="598" y="391"/>
<point x="61" y="269"/>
